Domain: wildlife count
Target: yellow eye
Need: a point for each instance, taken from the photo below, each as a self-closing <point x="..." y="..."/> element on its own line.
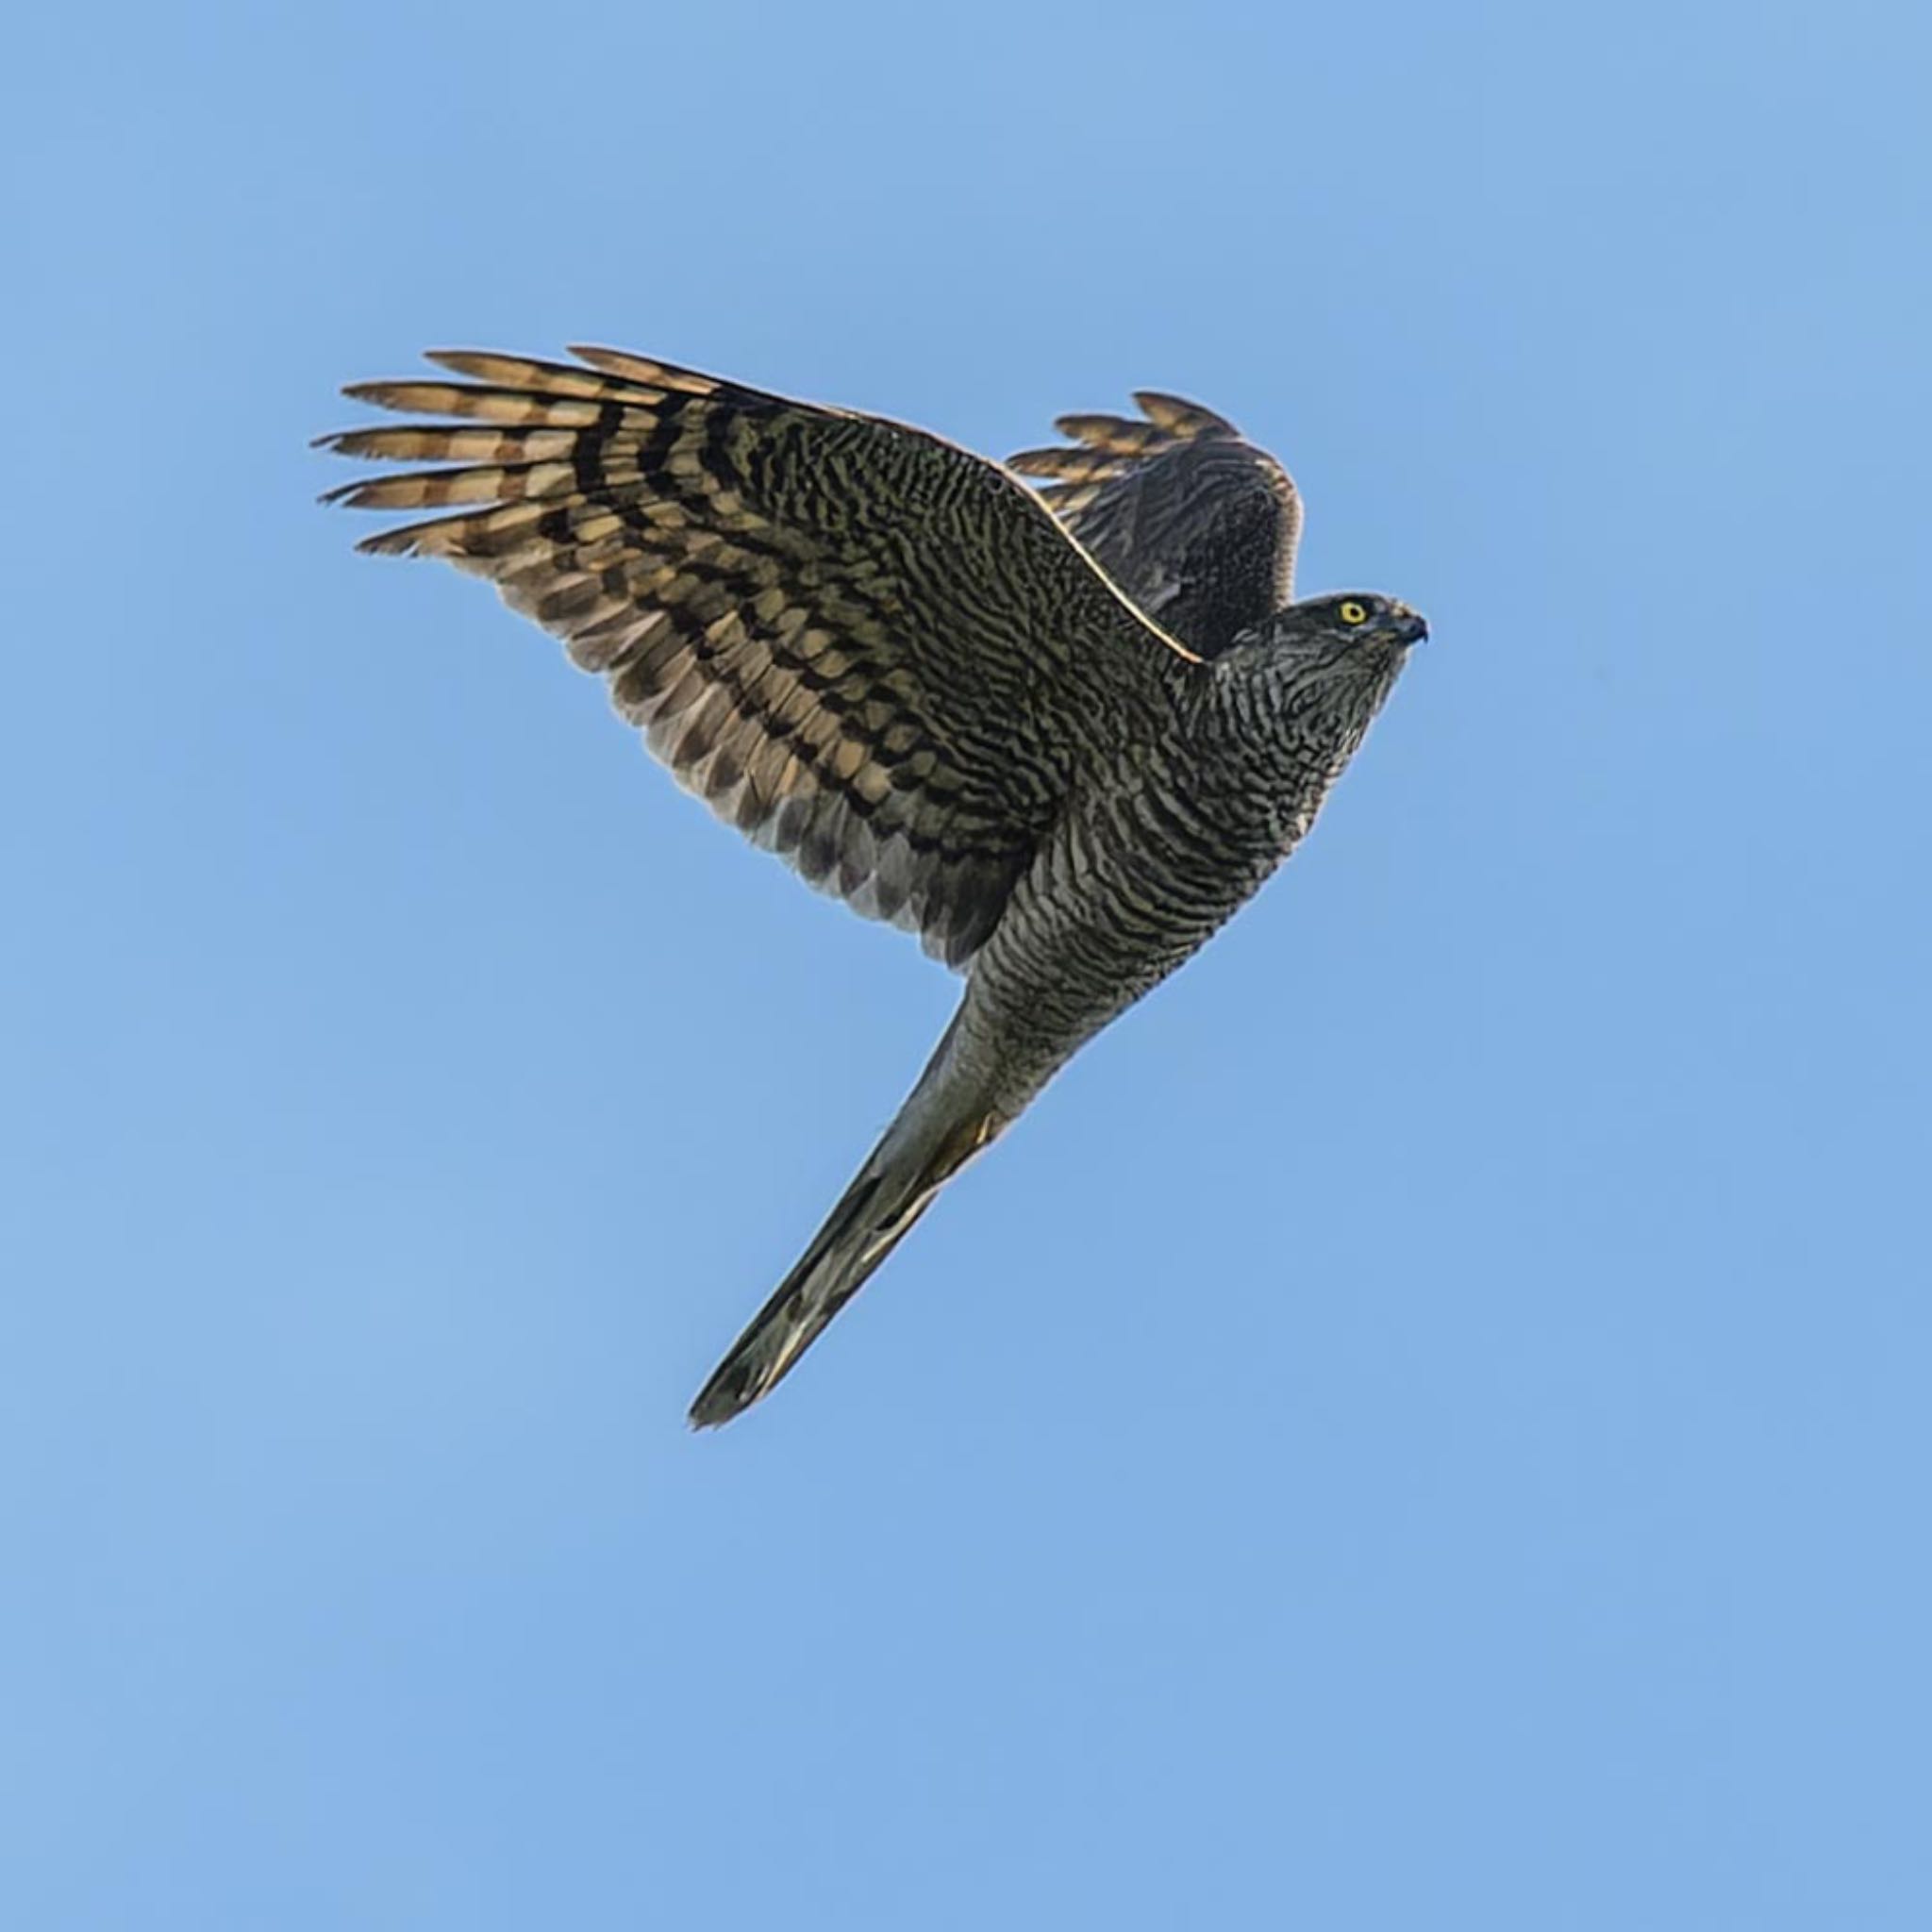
<point x="1354" y="613"/>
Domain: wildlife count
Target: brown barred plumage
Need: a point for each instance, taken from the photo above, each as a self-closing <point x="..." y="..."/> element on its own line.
<point x="879" y="656"/>
<point x="775" y="593"/>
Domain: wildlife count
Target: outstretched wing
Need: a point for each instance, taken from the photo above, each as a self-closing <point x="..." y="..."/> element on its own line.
<point x="1196" y="525"/>
<point x="874" y="654"/>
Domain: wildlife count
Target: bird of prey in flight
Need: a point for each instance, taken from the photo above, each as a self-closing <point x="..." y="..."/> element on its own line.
<point x="1061" y="735"/>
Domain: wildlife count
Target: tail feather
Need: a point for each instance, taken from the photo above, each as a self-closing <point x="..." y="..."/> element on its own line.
<point x="897" y="1184"/>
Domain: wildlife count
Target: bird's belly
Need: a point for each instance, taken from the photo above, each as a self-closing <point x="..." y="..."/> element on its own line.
<point x="1122" y="894"/>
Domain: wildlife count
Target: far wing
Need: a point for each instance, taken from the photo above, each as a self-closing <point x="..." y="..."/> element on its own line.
<point x="1198" y="526"/>
<point x="874" y="654"/>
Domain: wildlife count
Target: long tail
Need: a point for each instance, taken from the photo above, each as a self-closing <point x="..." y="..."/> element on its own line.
<point x="934" y="1136"/>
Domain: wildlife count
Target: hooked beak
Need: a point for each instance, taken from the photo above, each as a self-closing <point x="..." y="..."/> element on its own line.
<point x="1410" y="626"/>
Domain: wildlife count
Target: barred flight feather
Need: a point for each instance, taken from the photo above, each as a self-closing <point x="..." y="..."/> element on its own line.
<point x="868" y="650"/>
<point x="1194" y="523"/>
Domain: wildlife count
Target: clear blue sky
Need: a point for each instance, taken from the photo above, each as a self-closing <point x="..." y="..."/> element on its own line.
<point x="1426" y="1423"/>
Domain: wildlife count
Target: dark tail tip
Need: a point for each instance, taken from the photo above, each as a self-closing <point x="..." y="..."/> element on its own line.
<point x="732" y="1390"/>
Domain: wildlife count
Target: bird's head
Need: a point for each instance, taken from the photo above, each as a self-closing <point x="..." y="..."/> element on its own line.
<point x="1355" y="622"/>
<point x="1331" y="659"/>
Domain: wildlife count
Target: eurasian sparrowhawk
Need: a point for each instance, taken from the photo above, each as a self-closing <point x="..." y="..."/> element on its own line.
<point x="1061" y="740"/>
